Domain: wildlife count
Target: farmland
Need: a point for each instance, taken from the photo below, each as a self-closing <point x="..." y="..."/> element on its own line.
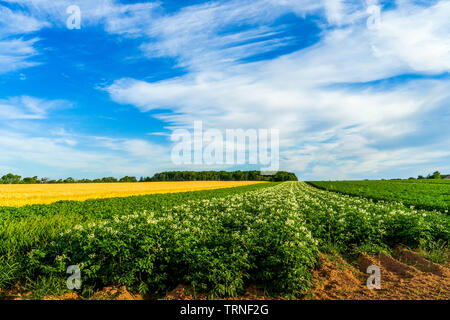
<point x="425" y="194"/>
<point x="24" y="194"/>
<point x="216" y="242"/>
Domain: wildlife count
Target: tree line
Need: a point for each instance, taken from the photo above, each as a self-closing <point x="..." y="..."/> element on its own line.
<point x="221" y="176"/>
<point x="159" y="177"/>
<point x="434" y="175"/>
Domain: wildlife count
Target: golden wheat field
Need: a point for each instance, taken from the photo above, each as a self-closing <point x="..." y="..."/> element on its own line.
<point x="17" y="195"/>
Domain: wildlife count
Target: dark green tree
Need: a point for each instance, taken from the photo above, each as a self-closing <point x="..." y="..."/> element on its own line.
<point x="11" y="179"/>
<point x="31" y="180"/>
<point x="435" y="175"/>
<point x="128" y="179"/>
<point x="221" y="176"/>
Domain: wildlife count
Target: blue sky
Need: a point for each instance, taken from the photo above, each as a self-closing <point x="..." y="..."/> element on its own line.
<point x="353" y="97"/>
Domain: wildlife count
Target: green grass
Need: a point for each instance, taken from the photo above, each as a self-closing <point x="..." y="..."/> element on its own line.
<point x="422" y="194"/>
<point x="437" y="252"/>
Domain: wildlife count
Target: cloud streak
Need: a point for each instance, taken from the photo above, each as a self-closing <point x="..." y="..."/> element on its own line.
<point x="338" y="89"/>
<point x="357" y="102"/>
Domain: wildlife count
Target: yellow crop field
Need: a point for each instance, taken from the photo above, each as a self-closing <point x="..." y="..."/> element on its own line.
<point x="17" y="195"/>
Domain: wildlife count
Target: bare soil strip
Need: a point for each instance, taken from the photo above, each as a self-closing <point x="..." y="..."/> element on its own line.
<point x="411" y="277"/>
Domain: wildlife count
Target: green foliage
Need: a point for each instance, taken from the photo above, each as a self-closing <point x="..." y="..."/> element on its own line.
<point x="31" y="180"/>
<point x="217" y="246"/>
<point x="435" y="175"/>
<point x="11" y="178"/>
<point x="165" y="176"/>
<point x="221" y="176"/>
<point x="438" y="251"/>
<point x="216" y="241"/>
<point x="423" y="194"/>
<point x="35" y="226"/>
<point x="128" y="179"/>
<point x="108" y="180"/>
<point x="8" y="268"/>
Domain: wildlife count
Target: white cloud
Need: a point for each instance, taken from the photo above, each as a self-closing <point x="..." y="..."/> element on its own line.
<point x="316" y="94"/>
<point x="87" y="155"/>
<point x="334" y="11"/>
<point x="117" y="17"/>
<point x="417" y="36"/>
<point x="16" y="23"/>
<point x="25" y="107"/>
<point x="16" y="53"/>
<point x="30" y="16"/>
<point x="200" y="35"/>
<point x="195" y="35"/>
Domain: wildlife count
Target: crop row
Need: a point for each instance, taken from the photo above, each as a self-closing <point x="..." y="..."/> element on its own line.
<point x="352" y="222"/>
<point x="34" y="226"/>
<point x="216" y="246"/>
<point x="423" y="195"/>
<point x="270" y="237"/>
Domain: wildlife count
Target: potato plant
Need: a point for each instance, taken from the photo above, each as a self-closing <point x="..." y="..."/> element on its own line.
<point x="217" y="242"/>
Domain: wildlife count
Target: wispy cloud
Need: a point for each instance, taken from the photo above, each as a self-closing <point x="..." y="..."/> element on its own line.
<point x="16" y="23"/>
<point x="16" y="54"/>
<point x="316" y="95"/>
<point x="31" y="16"/>
<point x="25" y="107"/>
<point x="114" y="15"/>
<point x="88" y="156"/>
<point x="355" y="103"/>
<point x="15" y="51"/>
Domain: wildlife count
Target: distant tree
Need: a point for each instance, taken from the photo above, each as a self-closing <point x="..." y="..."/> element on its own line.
<point x="412" y="178"/>
<point x="128" y="179"/>
<point x="11" y="179"/>
<point x="221" y="176"/>
<point x="420" y="177"/>
<point x="165" y="176"/>
<point x="435" y="175"/>
<point x="31" y="180"/>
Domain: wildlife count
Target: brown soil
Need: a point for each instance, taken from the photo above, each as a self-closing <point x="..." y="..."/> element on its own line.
<point x="108" y="293"/>
<point x="412" y="258"/>
<point x="336" y="279"/>
<point x="182" y="292"/>
<point x="400" y="281"/>
<point x="409" y="277"/>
